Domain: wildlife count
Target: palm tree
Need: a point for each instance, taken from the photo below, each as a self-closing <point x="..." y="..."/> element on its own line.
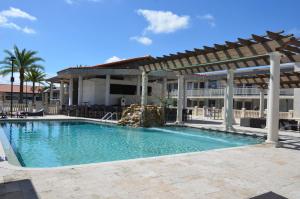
<point x="35" y="75"/>
<point x="25" y="59"/>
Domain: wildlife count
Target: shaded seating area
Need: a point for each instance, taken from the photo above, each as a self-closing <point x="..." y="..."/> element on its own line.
<point x="93" y="111"/>
<point x="284" y="124"/>
<point x="171" y="115"/>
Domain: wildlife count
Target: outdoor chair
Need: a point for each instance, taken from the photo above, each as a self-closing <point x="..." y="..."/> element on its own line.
<point x="286" y="124"/>
<point x="36" y="113"/>
<point x="253" y="122"/>
<point x="64" y="110"/>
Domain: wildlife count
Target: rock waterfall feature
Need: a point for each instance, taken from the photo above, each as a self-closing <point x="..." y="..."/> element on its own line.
<point x="142" y="116"/>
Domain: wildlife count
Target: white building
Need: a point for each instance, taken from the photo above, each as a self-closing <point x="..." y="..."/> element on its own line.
<point x="208" y="90"/>
<point x="106" y="84"/>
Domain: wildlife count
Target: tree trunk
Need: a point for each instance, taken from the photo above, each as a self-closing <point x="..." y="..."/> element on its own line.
<point x="33" y="92"/>
<point x="21" y="85"/>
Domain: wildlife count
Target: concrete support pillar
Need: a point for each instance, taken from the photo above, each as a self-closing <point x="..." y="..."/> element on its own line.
<point x="107" y="90"/>
<point x="229" y="100"/>
<point x="51" y="93"/>
<point x="273" y="100"/>
<point x="164" y="90"/>
<point x="45" y="100"/>
<point x="61" y="93"/>
<point x="296" y="105"/>
<point x="180" y="98"/>
<point x="71" y="92"/>
<point x="261" y="103"/>
<point x="138" y="86"/>
<point x="144" y="88"/>
<point x="80" y="90"/>
<point x="184" y="94"/>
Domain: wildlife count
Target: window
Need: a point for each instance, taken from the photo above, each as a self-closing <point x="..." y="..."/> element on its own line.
<point x="196" y="85"/>
<point x="169" y="86"/>
<point x="189" y="86"/>
<point x="201" y="85"/>
<point x="201" y="104"/>
<point x="212" y="84"/>
<point x="195" y="103"/>
<point x="189" y="103"/>
<point x="120" y="89"/>
<point x="175" y="86"/>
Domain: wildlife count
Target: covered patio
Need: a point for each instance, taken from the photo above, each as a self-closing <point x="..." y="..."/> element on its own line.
<point x="272" y="49"/>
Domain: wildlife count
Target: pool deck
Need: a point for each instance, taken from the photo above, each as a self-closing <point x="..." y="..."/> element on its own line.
<point x="241" y="172"/>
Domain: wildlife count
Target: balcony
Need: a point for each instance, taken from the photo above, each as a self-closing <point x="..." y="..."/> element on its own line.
<point x="237" y="92"/>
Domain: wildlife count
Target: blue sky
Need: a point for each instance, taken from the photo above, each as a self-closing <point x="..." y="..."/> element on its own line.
<point x="88" y="32"/>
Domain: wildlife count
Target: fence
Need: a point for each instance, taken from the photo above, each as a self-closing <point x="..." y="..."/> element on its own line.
<point x="217" y="92"/>
<point x="49" y="109"/>
<point x="213" y="113"/>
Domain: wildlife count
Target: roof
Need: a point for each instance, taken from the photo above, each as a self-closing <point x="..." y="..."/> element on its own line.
<point x="131" y="63"/>
<point x="6" y="88"/>
<point x="242" y="53"/>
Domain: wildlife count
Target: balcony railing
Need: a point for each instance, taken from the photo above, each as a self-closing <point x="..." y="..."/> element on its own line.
<point x="246" y="92"/>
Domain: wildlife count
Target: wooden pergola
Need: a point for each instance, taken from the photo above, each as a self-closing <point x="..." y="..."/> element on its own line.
<point x="231" y="55"/>
<point x="287" y="80"/>
<point x="273" y="48"/>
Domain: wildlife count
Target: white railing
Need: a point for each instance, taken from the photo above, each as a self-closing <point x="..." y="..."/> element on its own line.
<point x="19" y="107"/>
<point x="49" y="109"/>
<point x="211" y="113"/>
<point x="220" y="92"/>
<point x="52" y="109"/>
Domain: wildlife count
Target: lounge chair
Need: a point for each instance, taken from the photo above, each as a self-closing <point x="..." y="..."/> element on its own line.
<point x="36" y="113"/>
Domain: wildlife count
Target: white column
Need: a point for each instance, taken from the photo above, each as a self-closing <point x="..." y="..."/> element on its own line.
<point x="206" y="89"/>
<point x="273" y="100"/>
<point x="180" y="98"/>
<point x="296" y="103"/>
<point x="296" y="106"/>
<point x="107" y="90"/>
<point x="61" y="93"/>
<point x="144" y="88"/>
<point x="51" y="92"/>
<point x="184" y="94"/>
<point x="229" y="100"/>
<point x="80" y="90"/>
<point x="71" y="92"/>
<point x="164" y="90"/>
<point x="138" y="86"/>
<point x="224" y="107"/>
<point x="261" y="103"/>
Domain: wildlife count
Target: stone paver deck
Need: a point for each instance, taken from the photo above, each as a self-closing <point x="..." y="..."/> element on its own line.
<point x="228" y="173"/>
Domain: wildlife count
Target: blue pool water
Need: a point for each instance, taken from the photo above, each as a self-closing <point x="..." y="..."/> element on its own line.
<point x="58" y="143"/>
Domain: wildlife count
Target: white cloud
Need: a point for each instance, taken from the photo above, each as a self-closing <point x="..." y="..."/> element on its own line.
<point x="142" y="40"/>
<point x="113" y="59"/>
<point x="209" y="18"/>
<point x="6" y="79"/>
<point x="69" y="2"/>
<point x="28" y="30"/>
<point x="6" y="15"/>
<point x="164" y="21"/>
<point x="17" y="13"/>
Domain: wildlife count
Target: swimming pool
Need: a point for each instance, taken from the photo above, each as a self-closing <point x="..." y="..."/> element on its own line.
<point x="61" y="143"/>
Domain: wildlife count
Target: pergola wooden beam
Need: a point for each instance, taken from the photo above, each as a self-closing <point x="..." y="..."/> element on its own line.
<point x="232" y="54"/>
